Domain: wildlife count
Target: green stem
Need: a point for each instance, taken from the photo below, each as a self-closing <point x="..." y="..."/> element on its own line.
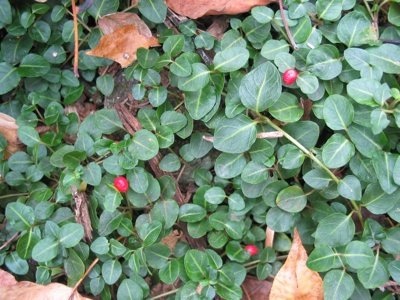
<point x="165" y="294"/>
<point x="369" y="9"/>
<point x="13" y="195"/>
<point x="254" y="262"/>
<point x="301" y="147"/>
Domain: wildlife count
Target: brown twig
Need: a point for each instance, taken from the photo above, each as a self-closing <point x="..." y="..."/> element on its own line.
<point x="76" y="286"/>
<point x="76" y="38"/>
<point x="285" y="23"/>
<point x="9" y="241"/>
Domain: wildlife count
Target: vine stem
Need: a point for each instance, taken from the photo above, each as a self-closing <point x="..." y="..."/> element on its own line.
<point x="285" y="23"/>
<point x="13" y="195"/>
<point x="76" y="38"/>
<point x="301" y="147"/>
<point x="165" y="294"/>
<point x="89" y="269"/>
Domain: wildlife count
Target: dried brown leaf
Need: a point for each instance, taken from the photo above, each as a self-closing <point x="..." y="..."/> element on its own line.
<point x="199" y="8"/>
<point x="10" y="289"/>
<point x="294" y="280"/>
<point x="254" y="289"/>
<point x="9" y="130"/>
<point x="124" y="34"/>
<point x="269" y="237"/>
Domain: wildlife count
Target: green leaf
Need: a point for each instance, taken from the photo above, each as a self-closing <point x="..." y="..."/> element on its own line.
<point x="74" y="266"/>
<point x="45" y="250"/>
<point x="307" y="82"/>
<point x="100" y="8"/>
<point x="109" y="221"/>
<point x="391" y="243"/>
<point x="235" y="135"/>
<point x="374" y="275"/>
<point x="280" y="220"/>
<point x="170" y="163"/>
<point x="71" y="234"/>
<point x="173" y="45"/>
<point x="33" y="65"/>
<point x="144" y="145"/>
<point x="112" y="200"/>
<point x="262" y="14"/>
<point x="26" y="243"/>
<point x="20" y="216"/>
<point x="377" y="201"/>
<point x="15" y="264"/>
<point x="129" y="289"/>
<point x="154" y="10"/>
<point x="195" y="263"/>
<point x="385" y="57"/>
<point x="338" y="112"/>
<point x="231" y="59"/>
<point x="365" y="141"/>
<point x="200" y="102"/>
<point x="261" y="87"/>
<point x="232" y="292"/>
<point x="363" y="91"/>
<point x="9" y="78"/>
<point x="350" y="187"/>
<point x="170" y="272"/>
<point x="105" y="84"/>
<point x="166" y="212"/>
<point x="335" y="230"/>
<point x="138" y="180"/>
<point x="92" y="174"/>
<point x="5" y="12"/>
<point x="174" y="120"/>
<point x="191" y="213"/>
<point x="197" y="80"/>
<point x="354" y="29"/>
<point x="19" y="161"/>
<point x="149" y="232"/>
<point x="305" y="132"/>
<point x="107" y="120"/>
<point x="338" y="285"/>
<point x="383" y="163"/>
<point x="291" y="199"/>
<point x="111" y="271"/>
<point x="324" y="62"/>
<point x="215" y="195"/>
<point x="254" y="173"/>
<point x="229" y="165"/>
<point x="100" y="246"/>
<point x="287" y="109"/>
<point x="323" y="258"/>
<point x="394" y="14"/>
<point x="273" y="47"/>
<point x="359" y="255"/>
<point x="317" y="179"/>
<point x="337" y="151"/>
<point x="357" y="58"/>
<point x="329" y="10"/>
<point x="394" y="270"/>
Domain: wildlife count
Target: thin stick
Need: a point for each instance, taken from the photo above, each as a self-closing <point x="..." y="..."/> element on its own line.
<point x="285" y="23"/>
<point x="9" y="241"/>
<point x="76" y="38"/>
<point x="76" y="286"/>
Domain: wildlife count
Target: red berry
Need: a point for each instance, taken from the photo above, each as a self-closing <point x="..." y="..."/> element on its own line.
<point x="289" y="76"/>
<point x="121" y="184"/>
<point x="251" y="249"/>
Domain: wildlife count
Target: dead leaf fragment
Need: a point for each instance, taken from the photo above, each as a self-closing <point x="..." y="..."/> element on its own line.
<point x="294" y="280"/>
<point x="10" y="289"/>
<point x="124" y="34"/>
<point x="9" y="130"/>
<point x="254" y="289"/>
<point x="200" y="8"/>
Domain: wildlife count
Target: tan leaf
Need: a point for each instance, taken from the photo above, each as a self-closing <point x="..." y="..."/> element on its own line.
<point x="294" y="280"/>
<point x="10" y="289"/>
<point x="9" y="130"/>
<point x="199" y="8"/>
<point x="269" y="237"/>
<point x="124" y="34"/>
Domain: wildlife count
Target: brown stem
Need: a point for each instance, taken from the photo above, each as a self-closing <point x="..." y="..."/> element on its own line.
<point x="76" y="286"/>
<point x="76" y="38"/>
<point x="9" y="241"/>
<point x="285" y="23"/>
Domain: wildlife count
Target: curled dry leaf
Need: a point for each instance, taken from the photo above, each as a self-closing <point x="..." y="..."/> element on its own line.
<point x="200" y="8"/>
<point x="254" y="289"/>
<point x="10" y="289"/>
<point x="9" y="129"/>
<point x="294" y="280"/>
<point x="124" y="33"/>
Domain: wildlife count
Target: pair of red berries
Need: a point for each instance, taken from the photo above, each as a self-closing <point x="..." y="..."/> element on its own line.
<point x="289" y="76"/>
<point x="121" y="184"/>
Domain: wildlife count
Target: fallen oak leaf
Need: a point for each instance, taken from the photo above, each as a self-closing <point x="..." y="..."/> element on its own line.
<point x="10" y="289"/>
<point x="294" y="280"/>
<point x="9" y="130"/>
<point x="200" y="8"/>
<point x="124" y="33"/>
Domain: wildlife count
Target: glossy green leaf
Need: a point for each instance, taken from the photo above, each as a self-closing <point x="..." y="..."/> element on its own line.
<point x="45" y="250"/>
<point x="261" y="87"/>
<point x="353" y="29"/>
<point x="338" y="285"/>
<point x="337" y="151"/>
<point x="338" y="112"/>
<point x="383" y="163"/>
<point x="105" y="84"/>
<point x="154" y="10"/>
<point x="191" y="213"/>
<point x="200" y="102"/>
<point x="287" y="109"/>
<point x="350" y="187"/>
<point x="195" y="263"/>
<point x="71" y="234"/>
<point x="197" y="80"/>
<point x="229" y="165"/>
<point x="111" y="270"/>
<point x="335" y="230"/>
<point x="323" y="258"/>
<point x="329" y="9"/>
<point x="33" y="65"/>
<point x="231" y="59"/>
<point x="144" y="145"/>
<point x="291" y="199"/>
<point x="324" y="62"/>
<point x="374" y="275"/>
